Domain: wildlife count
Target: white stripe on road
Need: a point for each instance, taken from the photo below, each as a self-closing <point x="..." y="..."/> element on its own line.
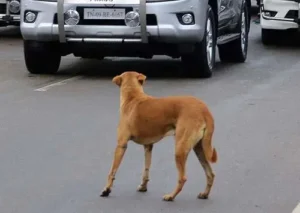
<point x="297" y="209"/>
<point x="45" y="88"/>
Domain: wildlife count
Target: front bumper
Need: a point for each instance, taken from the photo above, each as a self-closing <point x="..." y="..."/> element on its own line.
<point x="280" y="14"/>
<point x="6" y="17"/>
<point x="164" y="25"/>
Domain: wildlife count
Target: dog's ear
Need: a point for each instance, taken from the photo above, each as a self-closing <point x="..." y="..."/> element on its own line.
<point x="117" y="80"/>
<point x="141" y="78"/>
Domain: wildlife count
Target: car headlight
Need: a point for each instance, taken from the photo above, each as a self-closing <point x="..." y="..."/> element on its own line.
<point x="14" y="6"/>
<point x="72" y="17"/>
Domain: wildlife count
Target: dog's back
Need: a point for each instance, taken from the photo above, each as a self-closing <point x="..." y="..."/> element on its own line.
<point x="150" y="119"/>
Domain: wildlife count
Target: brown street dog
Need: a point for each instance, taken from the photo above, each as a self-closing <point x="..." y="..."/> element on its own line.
<point x="146" y="120"/>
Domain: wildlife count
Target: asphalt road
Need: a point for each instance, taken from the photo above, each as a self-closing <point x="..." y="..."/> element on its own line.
<point x="57" y="137"/>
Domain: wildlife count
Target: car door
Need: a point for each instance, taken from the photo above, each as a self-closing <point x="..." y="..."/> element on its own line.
<point x="226" y="12"/>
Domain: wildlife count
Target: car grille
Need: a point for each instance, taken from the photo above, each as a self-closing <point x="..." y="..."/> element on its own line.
<point x="2" y="8"/>
<point x="151" y="19"/>
<point x="292" y="14"/>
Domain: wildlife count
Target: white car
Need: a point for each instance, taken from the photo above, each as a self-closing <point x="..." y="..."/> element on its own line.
<point x="278" y="15"/>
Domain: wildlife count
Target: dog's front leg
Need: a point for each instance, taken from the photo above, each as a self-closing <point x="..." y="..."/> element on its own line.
<point x="145" y="179"/>
<point x="118" y="156"/>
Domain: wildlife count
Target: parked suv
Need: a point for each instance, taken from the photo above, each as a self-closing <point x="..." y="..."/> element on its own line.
<point x="9" y="12"/>
<point x="186" y="29"/>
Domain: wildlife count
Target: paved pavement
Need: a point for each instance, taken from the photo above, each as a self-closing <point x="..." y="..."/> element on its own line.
<point x="57" y="142"/>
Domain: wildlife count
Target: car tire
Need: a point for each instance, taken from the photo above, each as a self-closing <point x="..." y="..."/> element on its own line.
<point x="201" y="61"/>
<point x="268" y="36"/>
<point x="236" y="50"/>
<point x="41" y="57"/>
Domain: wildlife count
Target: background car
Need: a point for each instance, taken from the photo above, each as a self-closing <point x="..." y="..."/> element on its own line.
<point x="10" y="12"/>
<point x="278" y="15"/>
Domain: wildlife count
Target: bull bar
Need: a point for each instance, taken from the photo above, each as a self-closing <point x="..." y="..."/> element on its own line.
<point x="62" y="34"/>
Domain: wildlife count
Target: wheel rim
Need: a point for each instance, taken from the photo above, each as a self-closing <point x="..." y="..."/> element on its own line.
<point x="243" y="32"/>
<point x="209" y="42"/>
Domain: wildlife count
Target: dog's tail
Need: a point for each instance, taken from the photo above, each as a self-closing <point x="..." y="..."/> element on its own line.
<point x="209" y="151"/>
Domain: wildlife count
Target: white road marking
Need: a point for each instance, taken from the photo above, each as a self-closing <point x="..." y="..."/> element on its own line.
<point x="45" y="88"/>
<point x="297" y="209"/>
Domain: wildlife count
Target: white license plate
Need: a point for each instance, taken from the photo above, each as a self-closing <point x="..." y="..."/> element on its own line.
<point x="97" y="2"/>
<point x="104" y="13"/>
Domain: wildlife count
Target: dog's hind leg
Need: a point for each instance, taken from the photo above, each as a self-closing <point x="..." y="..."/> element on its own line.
<point x="118" y="156"/>
<point x="148" y="155"/>
<point x="182" y="150"/>
<point x="198" y="149"/>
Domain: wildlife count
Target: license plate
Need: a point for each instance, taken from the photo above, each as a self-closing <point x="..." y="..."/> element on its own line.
<point x="104" y="13"/>
<point x="102" y="1"/>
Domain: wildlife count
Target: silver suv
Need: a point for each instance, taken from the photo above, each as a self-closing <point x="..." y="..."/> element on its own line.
<point x="10" y="12"/>
<point x="186" y="29"/>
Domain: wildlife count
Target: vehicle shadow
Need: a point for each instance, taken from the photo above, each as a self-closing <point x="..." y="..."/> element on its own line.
<point x="254" y="10"/>
<point x="154" y="69"/>
<point x="11" y="32"/>
<point x="283" y="39"/>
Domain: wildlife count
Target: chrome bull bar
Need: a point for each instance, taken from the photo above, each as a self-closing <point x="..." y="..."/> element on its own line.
<point x="7" y="8"/>
<point x="61" y="21"/>
<point x="61" y="24"/>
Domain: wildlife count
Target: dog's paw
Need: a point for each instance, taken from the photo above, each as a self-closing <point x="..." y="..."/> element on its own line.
<point x="105" y="192"/>
<point x="203" y="196"/>
<point x="168" y="197"/>
<point x="142" y="188"/>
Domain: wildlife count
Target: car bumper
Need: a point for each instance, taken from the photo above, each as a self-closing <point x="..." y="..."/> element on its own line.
<point x="167" y="27"/>
<point x="9" y="19"/>
<point x="280" y="14"/>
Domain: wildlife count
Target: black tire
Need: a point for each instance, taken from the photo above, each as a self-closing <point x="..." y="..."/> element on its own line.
<point x="41" y="58"/>
<point x="197" y="62"/>
<point x="268" y="36"/>
<point x="233" y="51"/>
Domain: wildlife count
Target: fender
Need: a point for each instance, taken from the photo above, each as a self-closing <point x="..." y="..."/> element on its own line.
<point x="240" y="5"/>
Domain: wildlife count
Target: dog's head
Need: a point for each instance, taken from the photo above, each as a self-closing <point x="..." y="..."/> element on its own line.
<point x="130" y="78"/>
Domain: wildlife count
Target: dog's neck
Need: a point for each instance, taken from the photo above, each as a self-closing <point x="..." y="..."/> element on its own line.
<point x="129" y="94"/>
